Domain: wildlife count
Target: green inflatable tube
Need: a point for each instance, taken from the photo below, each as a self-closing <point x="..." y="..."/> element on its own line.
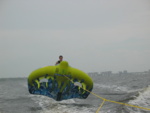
<point x="57" y="82"/>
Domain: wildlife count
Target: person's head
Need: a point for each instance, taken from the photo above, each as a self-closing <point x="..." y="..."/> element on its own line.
<point x="60" y="57"/>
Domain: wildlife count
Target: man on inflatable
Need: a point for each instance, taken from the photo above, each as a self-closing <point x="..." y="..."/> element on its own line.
<point x="58" y="62"/>
<point x="60" y="59"/>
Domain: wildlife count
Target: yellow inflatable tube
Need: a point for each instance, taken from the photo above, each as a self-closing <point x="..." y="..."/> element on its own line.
<point x="58" y="83"/>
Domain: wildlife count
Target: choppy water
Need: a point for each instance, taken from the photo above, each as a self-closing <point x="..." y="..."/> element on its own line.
<point x="131" y="89"/>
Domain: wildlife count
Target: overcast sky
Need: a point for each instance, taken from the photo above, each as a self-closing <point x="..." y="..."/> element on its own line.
<point x="92" y="35"/>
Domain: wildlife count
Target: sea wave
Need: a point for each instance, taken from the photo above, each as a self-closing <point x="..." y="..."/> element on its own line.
<point x="49" y="105"/>
<point x="142" y="100"/>
<point x="111" y="87"/>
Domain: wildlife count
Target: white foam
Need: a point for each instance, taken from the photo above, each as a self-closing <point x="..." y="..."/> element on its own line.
<point x="143" y="100"/>
<point x="49" y="105"/>
<point x="67" y="101"/>
<point x="68" y="109"/>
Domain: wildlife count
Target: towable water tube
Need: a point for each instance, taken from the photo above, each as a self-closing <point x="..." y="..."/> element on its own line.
<point x="57" y="82"/>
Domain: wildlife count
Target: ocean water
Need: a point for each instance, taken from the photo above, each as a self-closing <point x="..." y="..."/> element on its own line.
<point x="131" y="89"/>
